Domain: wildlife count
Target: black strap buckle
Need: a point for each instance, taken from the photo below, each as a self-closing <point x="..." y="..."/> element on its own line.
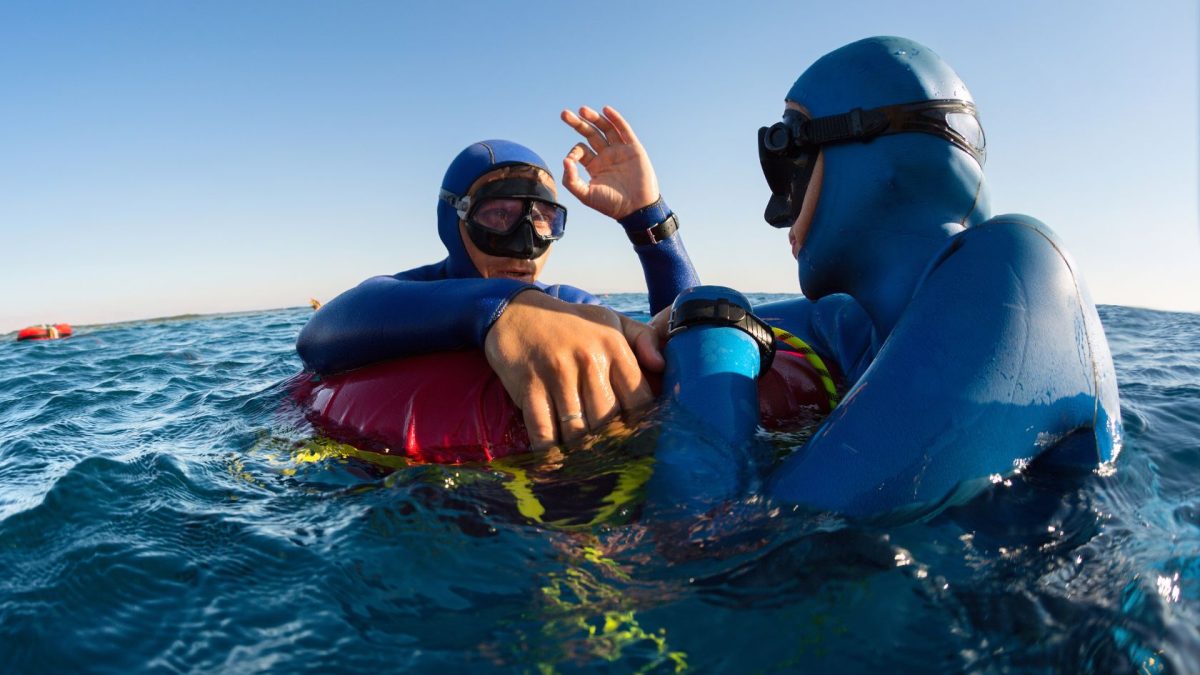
<point x="653" y="235"/>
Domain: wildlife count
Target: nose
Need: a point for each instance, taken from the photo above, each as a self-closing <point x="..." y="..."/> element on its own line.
<point x="527" y="244"/>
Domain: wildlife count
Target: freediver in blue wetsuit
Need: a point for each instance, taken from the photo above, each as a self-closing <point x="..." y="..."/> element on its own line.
<point x="497" y="217"/>
<point x="968" y="342"/>
<point x="983" y="348"/>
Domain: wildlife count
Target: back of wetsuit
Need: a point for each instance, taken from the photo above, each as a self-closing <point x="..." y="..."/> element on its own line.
<point x="970" y="341"/>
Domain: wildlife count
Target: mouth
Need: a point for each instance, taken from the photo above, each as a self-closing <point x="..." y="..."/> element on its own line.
<point x="518" y="274"/>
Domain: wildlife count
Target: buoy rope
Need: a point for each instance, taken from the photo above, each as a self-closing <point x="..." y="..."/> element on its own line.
<point x="811" y="356"/>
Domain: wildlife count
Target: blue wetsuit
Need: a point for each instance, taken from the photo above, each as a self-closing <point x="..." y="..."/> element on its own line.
<point x="969" y="341"/>
<point x="447" y="305"/>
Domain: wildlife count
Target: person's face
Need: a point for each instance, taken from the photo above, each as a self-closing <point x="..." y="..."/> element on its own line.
<point x="491" y="266"/>
<point x="799" y="230"/>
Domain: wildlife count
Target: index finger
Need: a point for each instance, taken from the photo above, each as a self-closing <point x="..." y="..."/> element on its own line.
<point x="586" y="129"/>
<point x="622" y="126"/>
<point x="603" y="124"/>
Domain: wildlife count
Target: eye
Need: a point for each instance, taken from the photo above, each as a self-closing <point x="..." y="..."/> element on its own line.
<point x="498" y="214"/>
<point x="494" y="213"/>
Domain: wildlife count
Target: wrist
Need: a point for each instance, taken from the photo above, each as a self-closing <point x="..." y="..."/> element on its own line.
<point x="650" y="224"/>
<point x="646" y="217"/>
<point x="652" y="236"/>
<point x="516" y="298"/>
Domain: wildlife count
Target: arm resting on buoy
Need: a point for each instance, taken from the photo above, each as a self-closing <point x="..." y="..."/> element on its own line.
<point x="385" y="318"/>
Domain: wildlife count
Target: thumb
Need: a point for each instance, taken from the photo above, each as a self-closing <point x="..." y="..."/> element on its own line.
<point x="572" y="181"/>
<point x="644" y="342"/>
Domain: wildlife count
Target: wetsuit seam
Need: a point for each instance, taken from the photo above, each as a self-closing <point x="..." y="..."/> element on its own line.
<point x="1087" y="336"/>
<point x="974" y="203"/>
<point x="491" y="153"/>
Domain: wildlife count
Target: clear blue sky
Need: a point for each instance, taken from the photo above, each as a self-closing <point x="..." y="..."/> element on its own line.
<point x="160" y="158"/>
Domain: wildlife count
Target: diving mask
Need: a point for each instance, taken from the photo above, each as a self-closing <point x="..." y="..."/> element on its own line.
<point x="511" y="217"/>
<point x="788" y="150"/>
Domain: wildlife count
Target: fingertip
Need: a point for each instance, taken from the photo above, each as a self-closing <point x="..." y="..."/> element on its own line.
<point x="539" y="435"/>
<point x="640" y="394"/>
<point x="537" y="413"/>
<point x="652" y="358"/>
<point x="540" y="445"/>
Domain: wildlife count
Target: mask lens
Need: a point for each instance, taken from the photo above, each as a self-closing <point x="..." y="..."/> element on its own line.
<point x="969" y="129"/>
<point x="515" y="218"/>
<point x="550" y="220"/>
<point x="777" y="169"/>
<point x="499" y="215"/>
<point x="502" y="216"/>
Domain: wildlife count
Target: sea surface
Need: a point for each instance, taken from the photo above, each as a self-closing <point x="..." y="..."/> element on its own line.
<point x="165" y="508"/>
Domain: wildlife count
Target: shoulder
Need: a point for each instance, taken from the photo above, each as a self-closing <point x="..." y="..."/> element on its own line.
<point x="1004" y="306"/>
<point x="1003" y="255"/>
<point x="431" y="272"/>
<point x="1014" y="235"/>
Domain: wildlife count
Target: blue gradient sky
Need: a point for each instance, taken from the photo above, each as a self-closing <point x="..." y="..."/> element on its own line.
<point x="160" y="158"/>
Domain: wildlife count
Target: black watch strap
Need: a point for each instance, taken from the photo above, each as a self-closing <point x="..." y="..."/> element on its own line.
<point x="655" y="234"/>
<point x="722" y="312"/>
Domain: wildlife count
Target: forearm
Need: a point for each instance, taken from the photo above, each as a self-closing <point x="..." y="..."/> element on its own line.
<point x="659" y="245"/>
<point x="385" y="318"/>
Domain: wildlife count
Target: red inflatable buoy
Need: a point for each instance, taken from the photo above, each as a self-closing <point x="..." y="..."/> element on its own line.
<point x="45" y="332"/>
<point x="447" y="407"/>
<point x="451" y="408"/>
<point x="792" y="392"/>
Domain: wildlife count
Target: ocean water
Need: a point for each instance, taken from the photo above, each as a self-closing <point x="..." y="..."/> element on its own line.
<point x="164" y="508"/>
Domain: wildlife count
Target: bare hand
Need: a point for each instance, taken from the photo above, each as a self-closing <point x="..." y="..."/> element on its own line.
<point x="622" y="178"/>
<point x="570" y="368"/>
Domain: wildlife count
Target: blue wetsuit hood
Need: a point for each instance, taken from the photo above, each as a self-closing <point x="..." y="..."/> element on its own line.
<point x="476" y="160"/>
<point x="886" y="207"/>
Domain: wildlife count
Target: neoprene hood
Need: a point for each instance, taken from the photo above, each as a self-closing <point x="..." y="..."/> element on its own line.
<point x="887" y="206"/>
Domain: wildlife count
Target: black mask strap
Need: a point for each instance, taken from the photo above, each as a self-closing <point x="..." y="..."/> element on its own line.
<point x="788" y="150"/>
<point x="951" y="119"/>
